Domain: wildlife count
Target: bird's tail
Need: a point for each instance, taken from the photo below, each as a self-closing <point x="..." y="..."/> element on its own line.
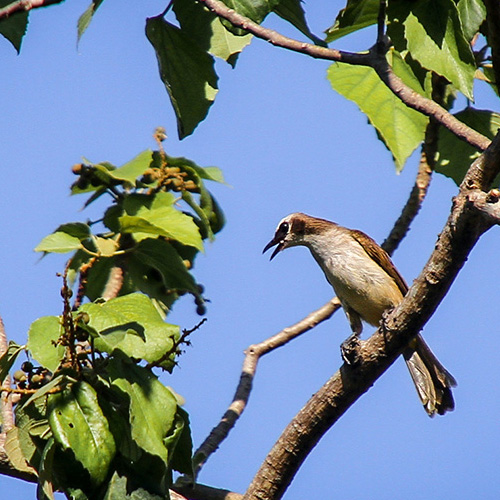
<point x="432" y="380"/>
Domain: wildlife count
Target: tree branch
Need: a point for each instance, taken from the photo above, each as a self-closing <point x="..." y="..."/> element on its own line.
<point x="25" y="5"/>
<point x="7" y="415"/>
<point x="372" y="59"/>
<point x="462" y="231"/>
<point x="252" y="355"/>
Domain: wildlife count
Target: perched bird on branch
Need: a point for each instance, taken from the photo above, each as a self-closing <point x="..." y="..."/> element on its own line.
<point x="367" y="284"/>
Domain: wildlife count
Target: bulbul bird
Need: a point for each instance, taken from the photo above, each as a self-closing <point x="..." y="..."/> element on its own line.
<point x="367" y="284"/>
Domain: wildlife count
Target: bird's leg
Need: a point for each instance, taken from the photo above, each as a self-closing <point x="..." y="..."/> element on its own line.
<point x="349" y="349"/>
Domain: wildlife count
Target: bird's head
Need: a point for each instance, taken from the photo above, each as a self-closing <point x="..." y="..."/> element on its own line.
<point x="293" y="230"/>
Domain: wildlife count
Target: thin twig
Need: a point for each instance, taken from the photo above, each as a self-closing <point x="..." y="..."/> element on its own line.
<point x="371" y="59"/>
<point x="174" y="350"/>
<point x="252" y="355"/>
<point x="25" y="5"/>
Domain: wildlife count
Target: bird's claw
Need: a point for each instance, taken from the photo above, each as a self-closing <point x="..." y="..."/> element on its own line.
<point x="349" y="349"/>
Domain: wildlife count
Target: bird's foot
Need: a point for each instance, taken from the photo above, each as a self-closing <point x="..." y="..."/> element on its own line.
<point x="349" y="349"/>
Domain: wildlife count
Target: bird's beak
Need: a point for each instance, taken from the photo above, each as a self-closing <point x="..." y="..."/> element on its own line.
<point x="275" y="241"/>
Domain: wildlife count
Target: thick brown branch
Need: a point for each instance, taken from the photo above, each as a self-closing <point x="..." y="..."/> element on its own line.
<point x="462" y="230"/>
<point x="25" y="5"/>
<point x="371" y="59"/>
<point x="487" y="203"/>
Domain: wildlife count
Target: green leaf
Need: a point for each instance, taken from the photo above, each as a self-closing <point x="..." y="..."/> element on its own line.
<point x="208" y="173"/>
<point x="401" y="128"/>
<point x="159" y="218"/>
<point x="434" y="36"/>
<point x="181" y="444"/>
<point x="356" y="15"/>
<point x="15" y="453"/>
<point x="119" y="489"/>
<point x="14" y="27"/>
<point x="472" y="14"/>
<point x="42" y="341"/>
<point x="59" y="242"/>
<point x="78" y="424"/>
<point x="131" y="324"/>
<point x="454" y="155"/>
<point x="256" y="10"/>
<point x="134" y="168"/>
<point x="86" y="17"/>
<point x="206" y="29"/>
<point x="162" y="256"/>
<point x="292" y="11"/>
<point x="45" y="482"/>
<point x="33" y="428"/>
<point x="152" y="406"/>
<point x="8" y="358"/>
<point x="187" y="72"/>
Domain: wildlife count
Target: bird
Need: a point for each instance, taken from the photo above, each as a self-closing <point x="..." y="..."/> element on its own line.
<point x="367" y="284"/>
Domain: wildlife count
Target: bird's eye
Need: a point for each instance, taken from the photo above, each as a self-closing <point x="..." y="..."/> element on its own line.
<point x="283" y="227"/>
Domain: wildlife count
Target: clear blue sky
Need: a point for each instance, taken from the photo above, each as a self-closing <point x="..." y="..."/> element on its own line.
<point x="286" y="142"/>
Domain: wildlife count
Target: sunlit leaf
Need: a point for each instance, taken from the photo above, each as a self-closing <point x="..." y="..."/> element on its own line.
<point x="454" y="155"/>
<point x="131" y="324"/>
<point x="187" y="72"/>
<point x="401" y="128"/>
<point x="152" y="406"/>
<point x="78" y="424"/>
<point x="42" y="341"/>
<point x="356" y="15"/>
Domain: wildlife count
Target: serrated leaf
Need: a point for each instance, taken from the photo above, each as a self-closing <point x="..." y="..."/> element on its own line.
<point x="78" y="424"/>
<point x="356" y="15"/>
<point x="163" y="257"/>
<point x="181" y="444"/>
<point x="152" y="406"/>
<point x="434" y="36"/>
<point x="204" y="27"/>
<point x="159" y="218"/>
<point x="131" y="324"/>
<point x="187" y="72"/>
<point x="59" y="242"/>
<point x="42" y="341"/>
<point x="401" y="128"/>
<point x="119" y="489"/>
<point x="292" y="11"/>
<point x="472" y="14"/>
<point x="13" y="28"/>
<point x="8" y="358"/>
<point x="106" y="247"/>
<point x="133" y="169"/>
<point x="86" y="17"/>
<point x="14" y="452"/>
<point x="256" y="10"/>
<point x="454" y="155"/>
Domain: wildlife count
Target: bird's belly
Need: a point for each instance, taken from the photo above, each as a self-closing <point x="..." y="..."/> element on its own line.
<point x="366" y="289"/>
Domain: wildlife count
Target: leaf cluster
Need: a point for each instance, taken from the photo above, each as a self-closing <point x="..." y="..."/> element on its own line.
<point x="428" y="39"/>
<point x="93" y="419"/>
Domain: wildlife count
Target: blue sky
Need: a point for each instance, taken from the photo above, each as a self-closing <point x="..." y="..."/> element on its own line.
<point x="286" y="142"/>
